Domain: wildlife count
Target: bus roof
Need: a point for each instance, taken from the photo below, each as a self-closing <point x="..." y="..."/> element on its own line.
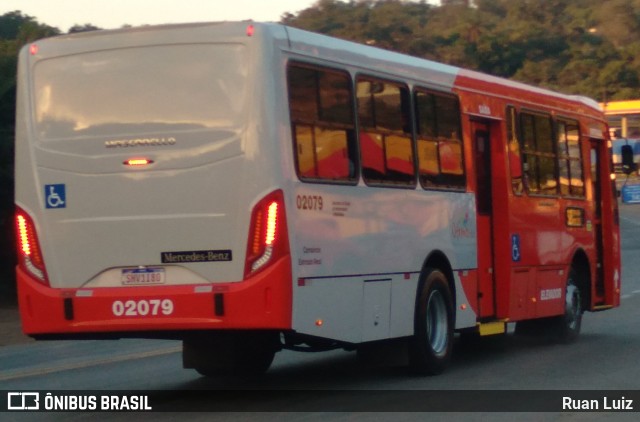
<point x="439" y="75"/>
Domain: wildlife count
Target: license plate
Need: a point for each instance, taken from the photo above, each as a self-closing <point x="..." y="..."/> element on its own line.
<point x="143" y="276"/>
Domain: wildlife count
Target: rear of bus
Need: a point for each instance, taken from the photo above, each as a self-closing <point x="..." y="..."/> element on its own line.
<point x="147" y="204"/>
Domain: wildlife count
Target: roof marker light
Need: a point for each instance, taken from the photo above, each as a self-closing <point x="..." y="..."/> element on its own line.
<point x="250" y="30"/>
<point x="33" y="49"/>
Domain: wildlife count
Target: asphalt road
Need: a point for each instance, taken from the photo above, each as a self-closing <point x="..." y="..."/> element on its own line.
<point x="605" y="357"/>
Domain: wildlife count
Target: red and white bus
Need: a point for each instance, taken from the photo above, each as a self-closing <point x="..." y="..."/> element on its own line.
<point x="252" y="187"/>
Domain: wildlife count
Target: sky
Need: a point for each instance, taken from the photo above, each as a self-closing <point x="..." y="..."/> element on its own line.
<point x="108" y="14"/>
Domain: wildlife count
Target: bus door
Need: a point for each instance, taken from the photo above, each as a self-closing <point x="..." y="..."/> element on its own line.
<point x="596" y="197"/>
<point x="482" y="134"/>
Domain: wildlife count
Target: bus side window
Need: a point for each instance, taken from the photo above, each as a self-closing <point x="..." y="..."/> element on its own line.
<point x="386" y="140"/>
<point x="322" y="123"/>
<point x="440" y="152"/>
<point x="515" y="161"/>
<point x="570" y="158"/>
<point x="540" y="160"/>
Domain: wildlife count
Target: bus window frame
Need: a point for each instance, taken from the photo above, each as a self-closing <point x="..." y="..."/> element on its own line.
<point x="353" y="148"/>
<point x="567" y="156"/>
<point x="517" y="186"/>
<point x="401" y="84"/>
<point x="535" y="152"/>
<point x="417" y="89"/>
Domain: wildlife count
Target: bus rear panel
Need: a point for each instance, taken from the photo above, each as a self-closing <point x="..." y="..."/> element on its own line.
<point x="130" y="148"/>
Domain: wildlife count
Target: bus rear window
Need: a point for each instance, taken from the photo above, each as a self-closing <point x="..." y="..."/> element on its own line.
<point x="140" y="90"/>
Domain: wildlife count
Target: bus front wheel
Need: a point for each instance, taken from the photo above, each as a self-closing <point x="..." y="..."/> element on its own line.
<point x="563" y="328"/>
<point x="432" y="342"/>
<point x="566" y="328"/>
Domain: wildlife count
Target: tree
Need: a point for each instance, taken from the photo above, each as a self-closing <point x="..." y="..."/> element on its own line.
<point x="574" y="46"/>
<point x="83" y="28"/>
<point x="16" y="30"/>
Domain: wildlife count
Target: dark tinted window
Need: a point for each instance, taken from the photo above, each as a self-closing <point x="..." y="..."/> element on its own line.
<point x="570" y="158"/>
<point x="385" y="132"/>
<point x="439" y="141"/>
<point x="515" y="161"/>
<point x="321" y="105"/>
<point x="539" y="157"/>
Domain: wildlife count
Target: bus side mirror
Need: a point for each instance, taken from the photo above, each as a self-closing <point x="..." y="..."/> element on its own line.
<point x="628" y="166"/>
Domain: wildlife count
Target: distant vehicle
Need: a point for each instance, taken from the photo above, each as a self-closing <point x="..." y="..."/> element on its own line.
<point x="616" y="152"/>
<point x="252" y="187"/>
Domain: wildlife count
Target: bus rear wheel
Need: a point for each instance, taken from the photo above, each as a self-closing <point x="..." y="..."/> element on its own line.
<point x="230" y="353"/>
<point x="432" y="342"/>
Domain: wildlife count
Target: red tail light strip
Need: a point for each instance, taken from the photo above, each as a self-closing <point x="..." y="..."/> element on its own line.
<point x="29" y="252"/>
<point x="268" y="238"/>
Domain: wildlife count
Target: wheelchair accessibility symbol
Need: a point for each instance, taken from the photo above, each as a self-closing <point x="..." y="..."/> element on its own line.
<point x="55" y="196"/>
<point x="515" y="248"/>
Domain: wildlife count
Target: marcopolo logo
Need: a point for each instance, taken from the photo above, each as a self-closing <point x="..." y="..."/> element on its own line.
<point x="140" y="142"/>
<point x="23" y="401"/>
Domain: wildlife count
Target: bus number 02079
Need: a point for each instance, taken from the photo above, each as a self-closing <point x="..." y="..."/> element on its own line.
<point x="142" y="307"/>
<point x="309" y="202"/>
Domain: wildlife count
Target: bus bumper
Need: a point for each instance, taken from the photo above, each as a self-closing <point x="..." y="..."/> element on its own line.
<point x="263" y="301"/>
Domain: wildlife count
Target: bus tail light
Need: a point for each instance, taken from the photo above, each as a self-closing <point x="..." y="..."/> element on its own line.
<point x="29" y="251"/>
<point x="268" y="239"/>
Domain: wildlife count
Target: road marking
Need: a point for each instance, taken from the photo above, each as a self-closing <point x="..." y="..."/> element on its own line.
<point x="630" y="221"/>
<point x="24" y="373"/>
<point x="628" y="295"/>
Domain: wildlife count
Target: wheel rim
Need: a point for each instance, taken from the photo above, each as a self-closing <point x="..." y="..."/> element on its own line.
<point x="572" y="307"/>
<point x="437" y="324"/>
